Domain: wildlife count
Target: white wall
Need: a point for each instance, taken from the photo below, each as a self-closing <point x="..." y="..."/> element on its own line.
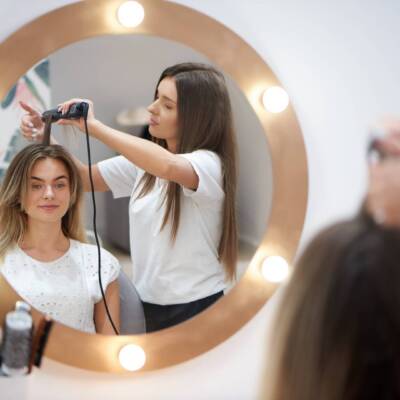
<point x="340" y="63"/>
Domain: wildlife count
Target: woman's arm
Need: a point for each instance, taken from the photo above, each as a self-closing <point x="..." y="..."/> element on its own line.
<point x="99" y="183"/>
<point x="101" y="320"/>
<point x="144" y="154"/>
<point x="147" y="155"/>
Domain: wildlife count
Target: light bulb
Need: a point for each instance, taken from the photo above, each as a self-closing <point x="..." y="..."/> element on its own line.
<point x="275" y="269"/>
<point x="275" y="99"/>
<point x="130" y="14"/>
<point x="132" y="357"/>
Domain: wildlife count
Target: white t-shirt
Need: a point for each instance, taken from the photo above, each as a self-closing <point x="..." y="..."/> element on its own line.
<point x="66" y="289"/>
<point x="188" y="269"/>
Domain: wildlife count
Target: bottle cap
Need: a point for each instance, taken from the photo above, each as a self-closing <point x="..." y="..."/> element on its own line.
<point x="22" y="306"/>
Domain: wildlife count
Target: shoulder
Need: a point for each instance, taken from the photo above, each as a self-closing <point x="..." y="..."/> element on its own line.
<point x="120" y="175"/>
<point x="205" y="160"/>
<point x="203" y="155"/>
<point x="119" y="162"/>
<point x="11" y="256"/>
<point x="91" y="252"/>
<point x="118" y="167"/>
<point x="110" y="268"/>
<point x="208" y="167"/>
<point x="12" y="251"/>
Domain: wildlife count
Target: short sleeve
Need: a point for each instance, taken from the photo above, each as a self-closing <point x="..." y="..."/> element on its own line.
<point x="120" y="175"/>
<point x="208" y="168"/>
<point x="110" y="269"/>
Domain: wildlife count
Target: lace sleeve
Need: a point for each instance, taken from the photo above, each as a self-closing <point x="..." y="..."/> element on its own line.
<point x="110" y="269"/>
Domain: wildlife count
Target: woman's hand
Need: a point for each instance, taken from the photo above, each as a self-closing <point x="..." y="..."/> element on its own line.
<point x="389" y="145"/>
<point x="383" y="197"/>
<point x="31" y="126"/>
<point x="79" y="123"/>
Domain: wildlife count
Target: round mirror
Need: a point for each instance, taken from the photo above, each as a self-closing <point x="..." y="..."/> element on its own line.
<point x="270" y="144"/>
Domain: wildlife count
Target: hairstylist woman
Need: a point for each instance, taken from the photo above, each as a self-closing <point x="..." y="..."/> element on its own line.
<point x="182" y="186"/>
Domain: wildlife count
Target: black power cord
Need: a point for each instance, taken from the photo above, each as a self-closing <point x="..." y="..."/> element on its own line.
<point x="85" y="112"/>
<point x="76" y="111"/>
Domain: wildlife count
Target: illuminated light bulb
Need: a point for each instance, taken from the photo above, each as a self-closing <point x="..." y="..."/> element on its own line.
<point x="132" y="357"/>
<point x="130" y="14"/>
<point x="275" y="99"/>
<point x="275" y="269"/>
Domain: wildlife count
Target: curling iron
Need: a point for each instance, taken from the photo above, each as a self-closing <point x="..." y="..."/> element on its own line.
<point x="76" y="111"/>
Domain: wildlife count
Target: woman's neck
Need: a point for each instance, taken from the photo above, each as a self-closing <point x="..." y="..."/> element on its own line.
<point x="46" y="239"/>
<point x="172" y="145"/>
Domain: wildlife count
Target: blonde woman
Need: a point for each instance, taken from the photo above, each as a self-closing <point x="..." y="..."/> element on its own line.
<point x="182" y="187"/>
<point x="42" y="250"/>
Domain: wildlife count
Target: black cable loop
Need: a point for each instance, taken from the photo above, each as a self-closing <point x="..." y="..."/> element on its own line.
<point x="94" y="218"/>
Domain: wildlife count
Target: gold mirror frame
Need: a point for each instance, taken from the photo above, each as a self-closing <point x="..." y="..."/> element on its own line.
<point x="230" y="53"/>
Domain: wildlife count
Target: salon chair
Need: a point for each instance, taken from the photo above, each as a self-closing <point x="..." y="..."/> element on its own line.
<point x="132" y="321"/>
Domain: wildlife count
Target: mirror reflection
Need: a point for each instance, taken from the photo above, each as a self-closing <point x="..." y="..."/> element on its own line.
<point x="175" y="276"/>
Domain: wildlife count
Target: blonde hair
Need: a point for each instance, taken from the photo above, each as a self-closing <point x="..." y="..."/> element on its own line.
<point x="13" y="219"/>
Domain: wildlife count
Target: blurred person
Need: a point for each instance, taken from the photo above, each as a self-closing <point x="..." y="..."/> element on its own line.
<point x="338" y="324"/>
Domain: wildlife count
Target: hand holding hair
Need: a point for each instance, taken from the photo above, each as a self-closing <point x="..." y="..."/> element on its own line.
<point x="32" y="126"/>
<point x="79" y="123"/>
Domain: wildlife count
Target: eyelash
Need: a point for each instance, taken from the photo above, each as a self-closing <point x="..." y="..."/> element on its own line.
<point x="167" y="106"/>
<point x="37" y="186"/>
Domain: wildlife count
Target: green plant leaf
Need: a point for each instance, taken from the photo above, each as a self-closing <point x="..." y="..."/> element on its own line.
<point x="42" y="70"/>
<point x="9" y="97"/>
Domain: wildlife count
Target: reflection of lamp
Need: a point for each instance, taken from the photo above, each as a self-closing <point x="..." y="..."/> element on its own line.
<point x="133" y="119"/>
<point x="130" y="14"/>
<point x="275" y="269"/>
<point x="275" y="99"/>
<point x="132" y="357"/>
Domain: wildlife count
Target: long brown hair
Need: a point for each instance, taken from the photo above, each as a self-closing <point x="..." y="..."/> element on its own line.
<point x="13" y="219"/>
<point x="338" y="326"/>
<point x="204" y="122"/>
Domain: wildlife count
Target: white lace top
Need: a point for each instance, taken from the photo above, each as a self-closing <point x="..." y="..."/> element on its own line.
<point x="66" y="289"/>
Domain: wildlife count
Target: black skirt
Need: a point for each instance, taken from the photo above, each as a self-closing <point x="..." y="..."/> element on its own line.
<point x="161" y="317"/>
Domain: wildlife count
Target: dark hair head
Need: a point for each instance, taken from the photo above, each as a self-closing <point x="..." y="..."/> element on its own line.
<point x="204" y="109"/>
<point x="340" y="324"/>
